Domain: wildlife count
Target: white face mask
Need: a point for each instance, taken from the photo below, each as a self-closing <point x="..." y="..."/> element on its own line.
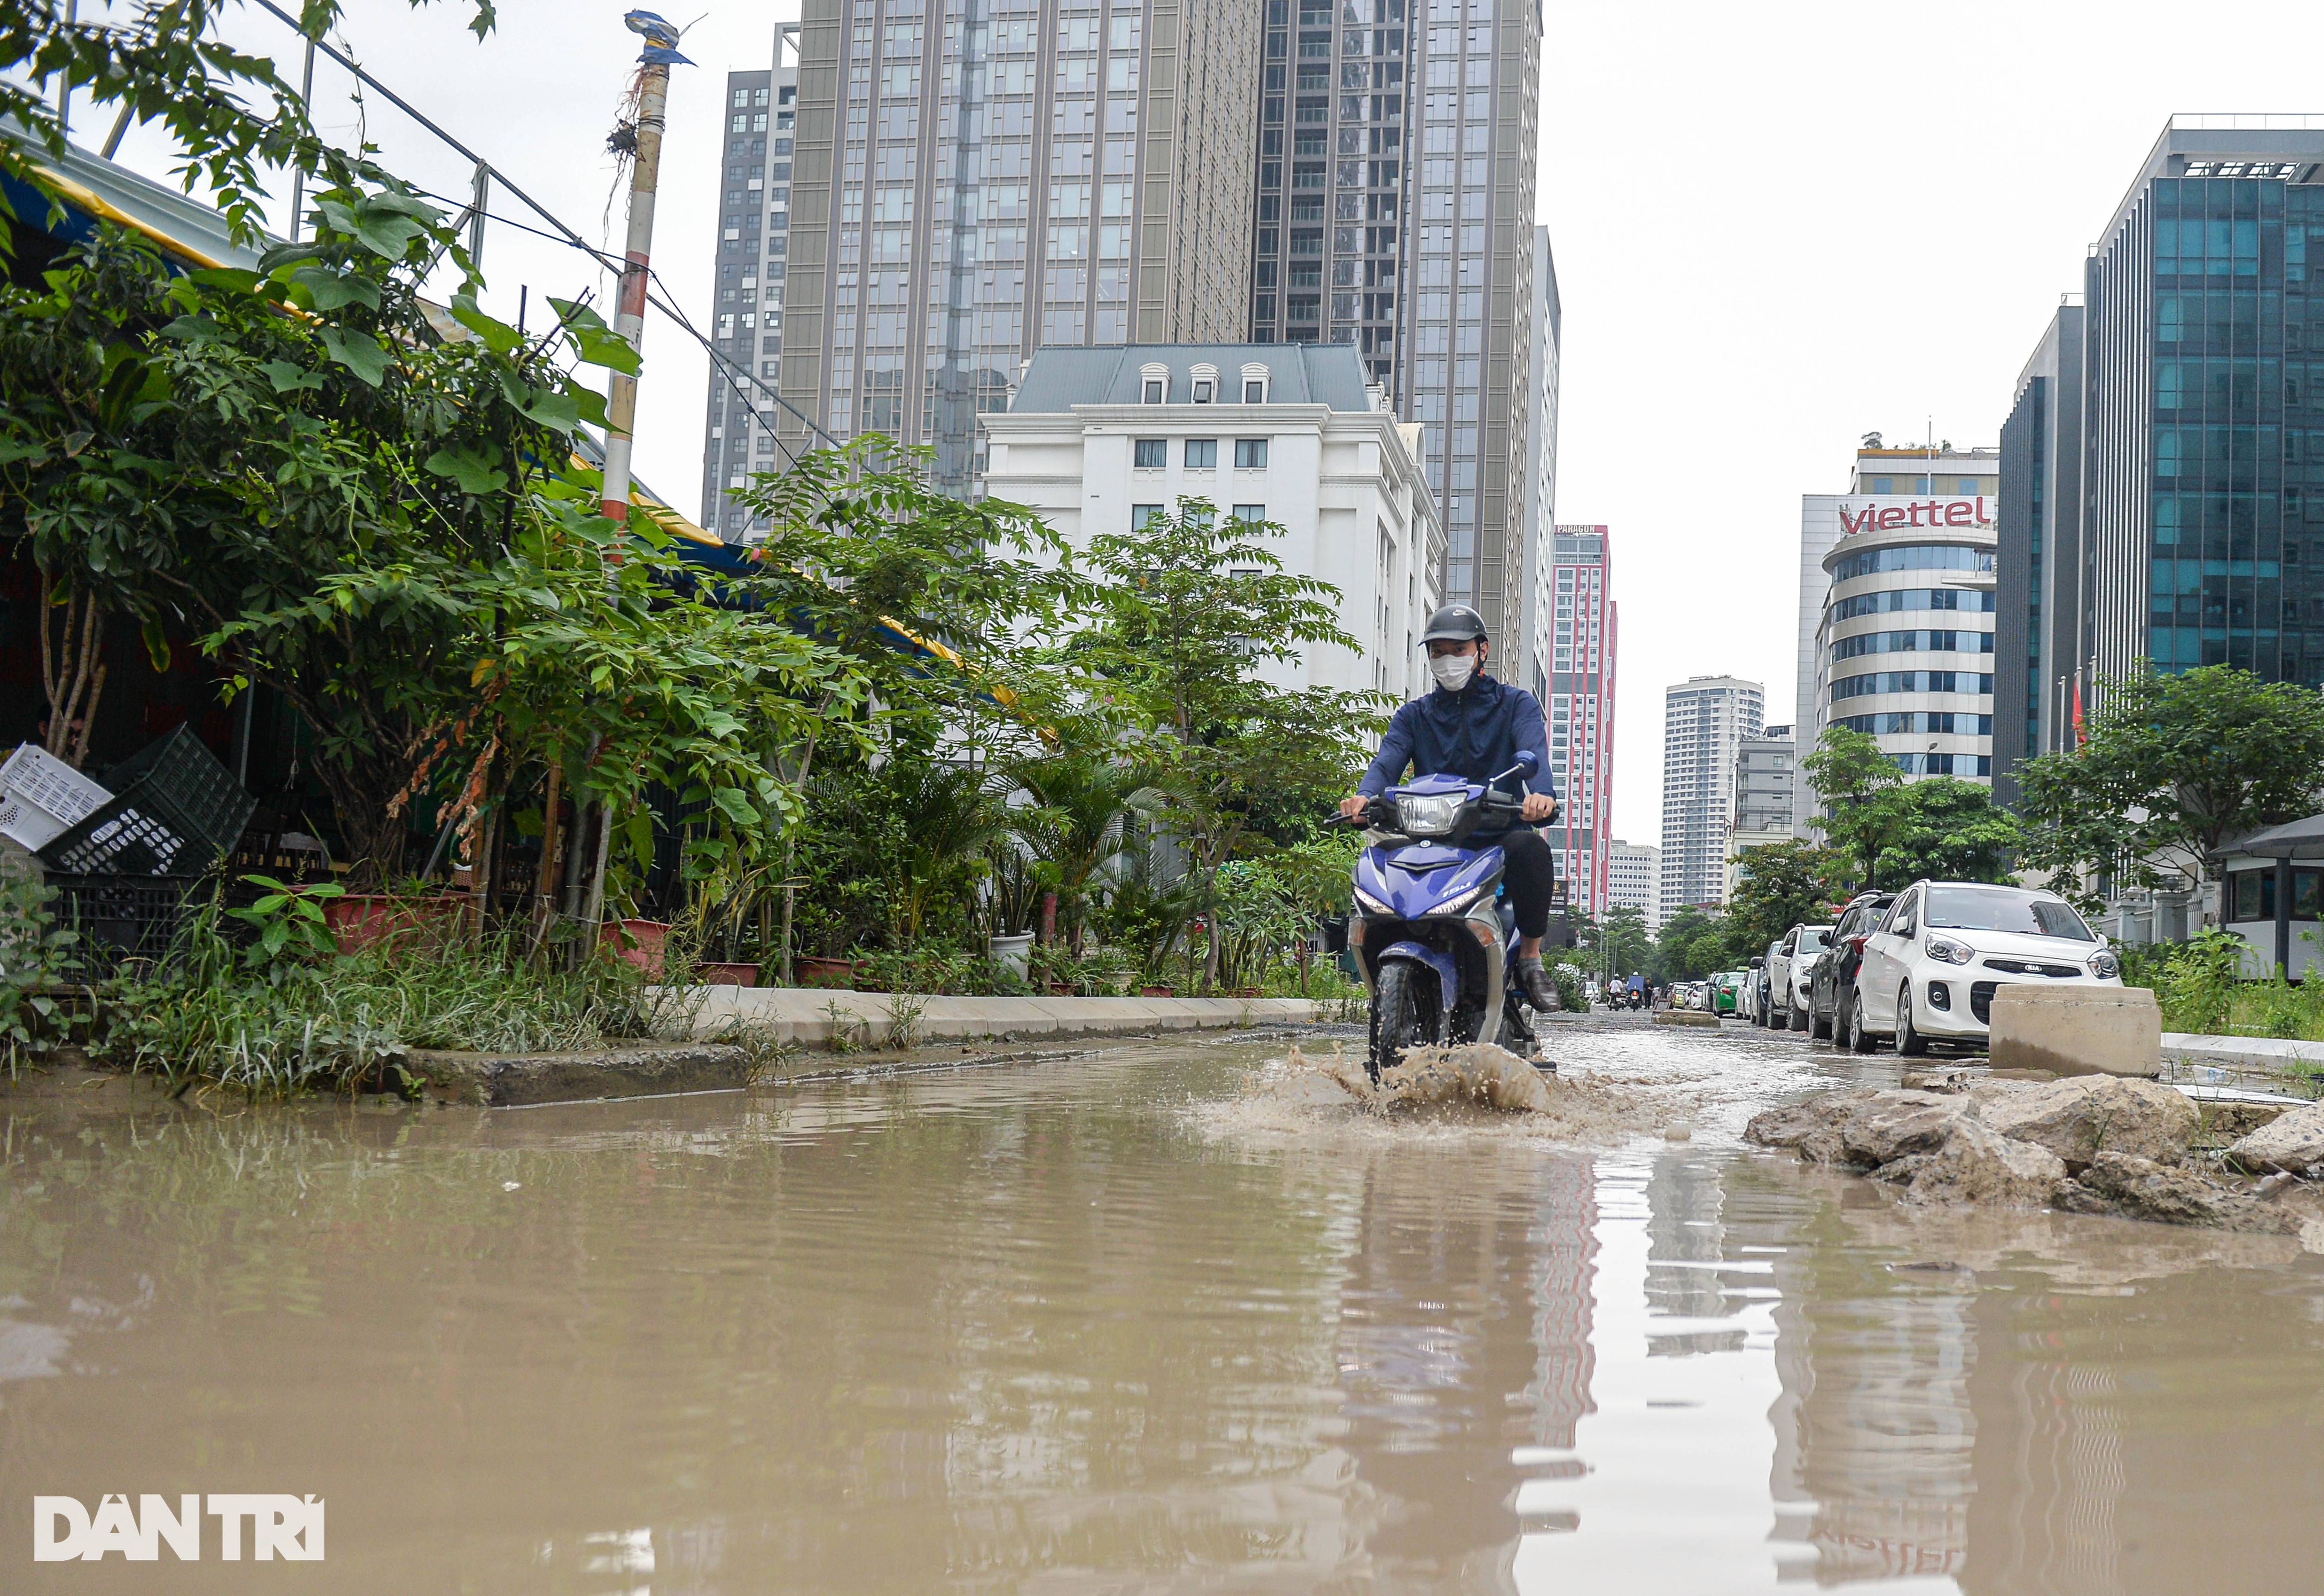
<point x="1453" y="671"/>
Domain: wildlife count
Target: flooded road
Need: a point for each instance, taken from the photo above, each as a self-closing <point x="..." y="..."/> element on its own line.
<point x="1175" y="1317"/>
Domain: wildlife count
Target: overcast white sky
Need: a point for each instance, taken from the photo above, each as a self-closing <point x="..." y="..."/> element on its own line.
<point x="1778" y="228"/>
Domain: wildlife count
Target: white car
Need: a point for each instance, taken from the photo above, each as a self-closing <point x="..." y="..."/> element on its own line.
<point x="1930" y="971"/>
<point x="1790" y="969"/>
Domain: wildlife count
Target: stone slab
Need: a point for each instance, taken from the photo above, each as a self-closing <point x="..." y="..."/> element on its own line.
<point x="628" y="1069"/>
<point x="1686" y="1017"/>
<point x="2076" y="1030"/>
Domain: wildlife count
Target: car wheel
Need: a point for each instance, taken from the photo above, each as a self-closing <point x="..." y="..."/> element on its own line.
<point x="1910" y="1043"/>
<point x="1780" y="1018"/>
<point x="1819" y="1025"/>
<point x="1859" y="1040"/>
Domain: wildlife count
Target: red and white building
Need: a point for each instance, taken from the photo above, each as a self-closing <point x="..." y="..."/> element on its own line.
<point x="1574" y="635"/>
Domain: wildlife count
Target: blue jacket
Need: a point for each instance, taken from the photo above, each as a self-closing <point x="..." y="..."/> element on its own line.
<point x="1474" y="733"/>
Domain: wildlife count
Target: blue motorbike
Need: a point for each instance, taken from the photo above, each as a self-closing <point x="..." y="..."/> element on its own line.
<point x="1434" y="935"/>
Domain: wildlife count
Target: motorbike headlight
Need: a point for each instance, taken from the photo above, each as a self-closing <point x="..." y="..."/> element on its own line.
<point x="2105" y="966"/>
<point x="1947" y="949"/>
<point x="1432" y="816"/>
<point x="1371" y="903"/>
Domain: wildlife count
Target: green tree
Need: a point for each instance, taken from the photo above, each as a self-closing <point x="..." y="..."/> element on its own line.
<point x="1186" y="612"/>
<point x="1942" y="829"/>
<point x="229" y="114"/>
<point x="2174" y="767"/>
<point x="1692" y="945"/>
<point x="1782" y="885"/>
<point x="1848" y="772"/>
<point x="1622" y="932"/>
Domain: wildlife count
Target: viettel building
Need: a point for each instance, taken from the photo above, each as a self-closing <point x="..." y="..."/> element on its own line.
<point x="1896" y="613"/>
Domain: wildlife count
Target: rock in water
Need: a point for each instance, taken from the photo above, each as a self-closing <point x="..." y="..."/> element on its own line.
<point x="1977" y="1166"/>
<point x="1897" y="1124"/>
<point x="2293" y="1141"/>
<point x="1863" y="1128"/>
<point x="1794" y="1124"/>
<point x="2086" y="1115"/>
<point x="2133" y="1187"/>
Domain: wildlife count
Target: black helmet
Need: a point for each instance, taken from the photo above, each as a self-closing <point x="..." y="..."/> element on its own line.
<point x="1455" y="623"/>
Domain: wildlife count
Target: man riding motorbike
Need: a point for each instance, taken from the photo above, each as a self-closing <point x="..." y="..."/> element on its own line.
<point x="1473" y="726"/>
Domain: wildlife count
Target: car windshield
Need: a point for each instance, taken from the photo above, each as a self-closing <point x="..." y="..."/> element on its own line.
<point x="1988" y="908"/>
<point x="1812" y="938"/>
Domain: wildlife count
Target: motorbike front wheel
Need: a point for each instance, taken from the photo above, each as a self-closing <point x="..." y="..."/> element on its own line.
<point x="1408" y="1012"/>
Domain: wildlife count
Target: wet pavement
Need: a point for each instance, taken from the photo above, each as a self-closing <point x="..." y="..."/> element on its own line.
<point x="1171" y="1318"/>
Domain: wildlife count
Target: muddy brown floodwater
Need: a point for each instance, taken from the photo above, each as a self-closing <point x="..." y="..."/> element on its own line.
<point x="1175" y="1317"/>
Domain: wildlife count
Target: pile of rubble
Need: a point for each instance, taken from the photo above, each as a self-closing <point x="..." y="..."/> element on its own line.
<point x="2090" y="1144"/>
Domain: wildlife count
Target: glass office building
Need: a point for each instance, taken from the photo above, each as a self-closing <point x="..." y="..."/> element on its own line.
<point x="2191" y="436"/>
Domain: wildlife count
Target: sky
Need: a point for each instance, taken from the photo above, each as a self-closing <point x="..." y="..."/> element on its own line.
<point x="1778" y="228"/>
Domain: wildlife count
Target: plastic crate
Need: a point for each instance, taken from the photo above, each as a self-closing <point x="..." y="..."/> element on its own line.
<point x="40" y="796"/>
<point x="122" y="918"/>
<point x="175" y="810"/>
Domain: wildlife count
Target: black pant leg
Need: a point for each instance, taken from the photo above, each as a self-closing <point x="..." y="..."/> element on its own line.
<point x="1531" y="878"/>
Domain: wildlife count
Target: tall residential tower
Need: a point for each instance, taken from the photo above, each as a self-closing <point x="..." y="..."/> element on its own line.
<point x="1396" y="150"/>
<point x="1579" y="621"/>
<point x="1704" y="721"/>
<point x="978" y="178"/>
<point x="746" y="312"/>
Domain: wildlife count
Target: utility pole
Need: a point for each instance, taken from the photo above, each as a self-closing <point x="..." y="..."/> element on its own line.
<point x="650" y="95"/>
<point x="640" y="139"/>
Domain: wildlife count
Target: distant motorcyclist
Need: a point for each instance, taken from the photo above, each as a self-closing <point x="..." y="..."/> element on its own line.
<point x="1474" y="727"/>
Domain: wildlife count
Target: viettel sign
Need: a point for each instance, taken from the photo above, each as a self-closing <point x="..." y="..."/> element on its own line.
<point x="1886" y="515"/>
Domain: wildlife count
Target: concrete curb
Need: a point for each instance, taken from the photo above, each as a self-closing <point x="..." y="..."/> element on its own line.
<point x="625" y="1069"/>
<point x="815" y="1017"/>
<point x="2249" y="1052"/>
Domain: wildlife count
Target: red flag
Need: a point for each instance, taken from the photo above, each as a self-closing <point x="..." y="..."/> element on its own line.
<point x="2078" y="710"/>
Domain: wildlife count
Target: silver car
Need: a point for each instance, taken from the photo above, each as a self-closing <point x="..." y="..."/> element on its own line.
<point x="1791" y="976"/>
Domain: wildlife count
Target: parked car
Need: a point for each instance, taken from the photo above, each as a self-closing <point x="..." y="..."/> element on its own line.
<point x="1790" y="966"/>
<point x="1759" y="990"/>
<point x="1931" y="966"/>
<point x="1834" y="984"/>
<point x="1726" y="986"/>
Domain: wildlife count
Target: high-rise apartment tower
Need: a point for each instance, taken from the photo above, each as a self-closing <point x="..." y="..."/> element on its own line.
<point x="977" y="178"/>
<point x="1395" y="212"/>
<point x="746" y="294"/>
<point x="1579" y="619"/>
<point x="1704" y="721"/>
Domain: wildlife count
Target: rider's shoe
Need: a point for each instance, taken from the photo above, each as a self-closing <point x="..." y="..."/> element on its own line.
<point x="1540" y="990"/>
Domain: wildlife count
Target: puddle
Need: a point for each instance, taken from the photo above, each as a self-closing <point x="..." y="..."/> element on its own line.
<point x="1183" y="1317"/>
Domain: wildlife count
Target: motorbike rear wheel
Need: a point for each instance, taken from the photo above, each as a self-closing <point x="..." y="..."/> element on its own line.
<point x="1408" y="1012"/>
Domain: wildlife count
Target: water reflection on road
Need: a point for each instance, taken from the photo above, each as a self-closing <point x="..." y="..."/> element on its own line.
<point x="1169" y="1318"/>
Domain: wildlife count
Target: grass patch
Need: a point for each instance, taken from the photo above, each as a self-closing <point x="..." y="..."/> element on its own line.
<point x="275" y="1022"/>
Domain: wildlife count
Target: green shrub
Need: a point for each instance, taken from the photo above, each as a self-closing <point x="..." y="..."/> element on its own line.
<point x="36" y="964"/>
<point x="281" y="1020"/>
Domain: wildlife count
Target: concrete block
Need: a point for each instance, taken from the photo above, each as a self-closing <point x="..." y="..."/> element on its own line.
<point x="1686" y="1017"/>
<point x="2076" y="1030"/>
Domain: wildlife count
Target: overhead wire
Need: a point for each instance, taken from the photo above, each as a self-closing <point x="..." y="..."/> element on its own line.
<point x="724" y="364"/>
